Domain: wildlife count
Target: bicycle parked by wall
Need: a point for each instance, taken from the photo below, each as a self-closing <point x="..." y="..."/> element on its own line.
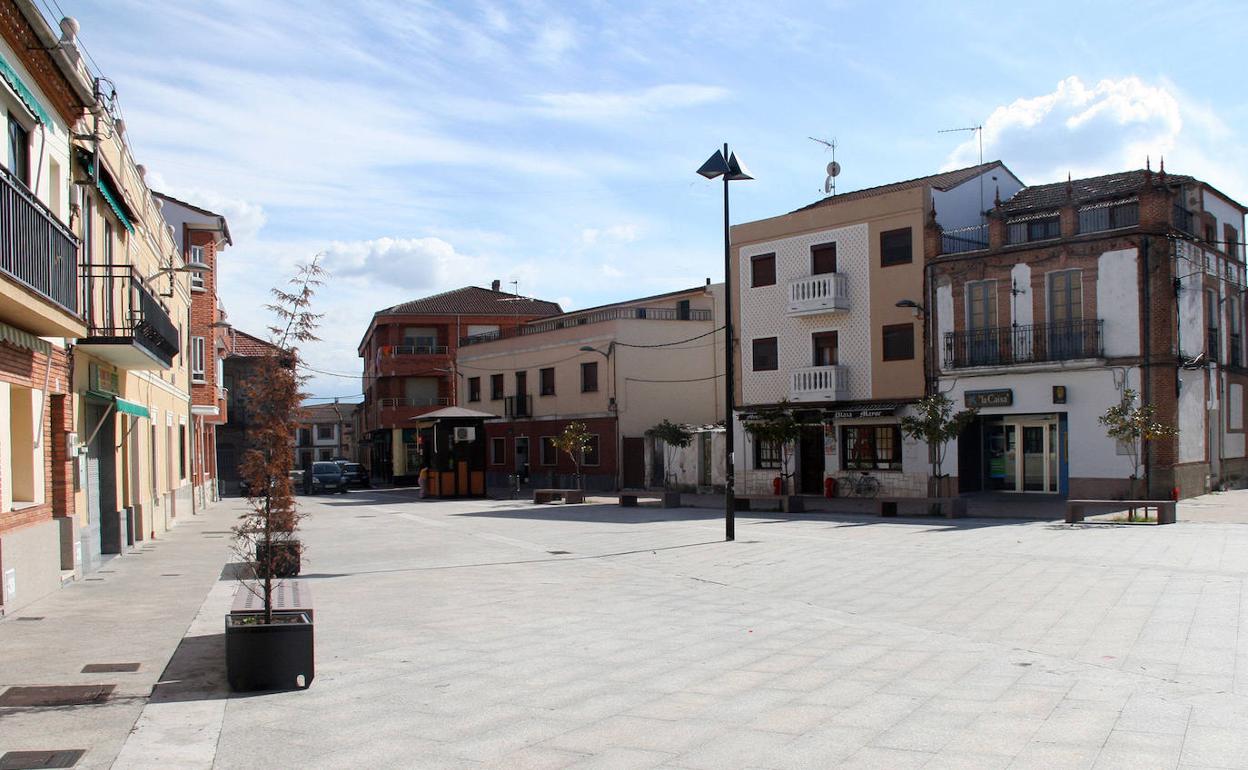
<point x="861" y="485"/>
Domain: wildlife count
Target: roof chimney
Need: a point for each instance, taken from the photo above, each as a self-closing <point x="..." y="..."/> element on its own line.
<point x="494" y="286"/>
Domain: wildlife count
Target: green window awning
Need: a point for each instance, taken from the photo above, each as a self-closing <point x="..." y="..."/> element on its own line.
<point x="131" y="408"/>
<point x="26" y="96"/>
<point x="23" y="339"/>
<point x="108" y="191"/>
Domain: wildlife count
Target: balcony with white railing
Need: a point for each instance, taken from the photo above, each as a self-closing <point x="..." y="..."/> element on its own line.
<point x="819" y="383"/>
<point x="826" y="293"/>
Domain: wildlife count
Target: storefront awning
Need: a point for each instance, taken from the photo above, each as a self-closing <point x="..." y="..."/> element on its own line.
<point x="131" y="408"/>
<point x="23" y="339"/>
<point x="24" y="94"/>
<point x="108" y="189"/>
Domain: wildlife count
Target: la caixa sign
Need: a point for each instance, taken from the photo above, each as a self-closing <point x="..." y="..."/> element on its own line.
<point x="980" y="399"/>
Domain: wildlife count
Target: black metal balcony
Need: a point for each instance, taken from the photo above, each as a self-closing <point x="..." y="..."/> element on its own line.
<point x="518" y="406"/>
<point x="36" y="249"/>
<point x="126" y="325"/>
<point x="1037" y="343"/>
<point x="963" y="239"/>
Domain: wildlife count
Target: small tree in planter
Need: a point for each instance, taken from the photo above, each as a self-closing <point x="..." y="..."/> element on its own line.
<point x="673" y="436"/>
<point x="264" y="650"/>
<point x="574" y="440"/>
<point x="935" y="424"/>
<point x="1131" y="425"/>
<point x="777" y="426"/>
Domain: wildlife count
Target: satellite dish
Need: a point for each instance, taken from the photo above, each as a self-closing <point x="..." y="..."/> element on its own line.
<point x="829" y="184"/>
<point x="834" y="169"/>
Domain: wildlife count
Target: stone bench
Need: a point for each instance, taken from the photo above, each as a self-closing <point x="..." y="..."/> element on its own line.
<point x="288" y="596"/>
<point x="564" y="495"/>
<point x="951" y="507"/>
<point x="629" y="498"/>
<point x="784" y="503"/>
<point x="1165" y="508"/>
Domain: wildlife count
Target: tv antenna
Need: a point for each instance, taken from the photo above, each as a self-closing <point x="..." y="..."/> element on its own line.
<point x="979" y="134"/>
<point x="834" y="168"/>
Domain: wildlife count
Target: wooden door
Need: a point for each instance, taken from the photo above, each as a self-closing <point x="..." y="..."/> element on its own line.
<point x="634" y="462"/>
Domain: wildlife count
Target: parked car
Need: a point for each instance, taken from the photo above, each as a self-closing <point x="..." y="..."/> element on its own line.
<point x="327" y="477"/>
<point x="296" y="483"/>
<point x="356" y="475"/>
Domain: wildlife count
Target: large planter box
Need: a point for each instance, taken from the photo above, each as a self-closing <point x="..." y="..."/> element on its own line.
<point x="274" y="656"/>
<point x="287" y="558"/>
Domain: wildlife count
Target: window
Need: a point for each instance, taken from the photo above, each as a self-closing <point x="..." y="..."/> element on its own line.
<point x="1109" y="216"/>
<point x="981" y="305"/>
<point x="766" y="358"/>
<point x="1039" y="229"/>
<point x="474" y="388"/>
<point x="498" y="451"/>
<point x="1065" y="297"/>
<point x="522" y="384"/>
<point x="763" y="270"/>
<point x="197" y="258"/>
<point x="682" y="310"/>
<point x="590" y="455"/>
<point x="823" y="259"/>
<point x="305" y="436"/>
<point x="896" y="247"/>
<point x="1235" y="340"/>
<point x="766" y="454"/>
<point x="25" y="455"/>
<point x="197" y="359"/>
<point x="1231" y="238"/>
<point x="871" y="447"/>
<point x="496" y="387"/>
<point x="19" y="150"/>
<point x="547" y="383"/>
<point x="825" y="348"/>
<point x="1211" y="325"/>
<point x="325" y="432"/>
<point x="549" y="453"/>
<point x="589" y="377"/>
<point x="899" y="342"/>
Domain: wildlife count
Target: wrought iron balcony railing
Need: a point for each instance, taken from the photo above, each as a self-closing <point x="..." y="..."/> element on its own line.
<point x="518" y="406"/>
<point x="1036" y="343"/>
<point x="121" y="312"/>
<point x="36" y="249"/>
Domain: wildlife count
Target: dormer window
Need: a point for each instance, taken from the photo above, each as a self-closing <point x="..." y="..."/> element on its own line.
<point x="1041" y="228"/>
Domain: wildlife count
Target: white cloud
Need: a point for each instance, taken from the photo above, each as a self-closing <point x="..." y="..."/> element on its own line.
<point x="555" y="38"/>
<point x="614" y="105"/>
<point x="592" y="236"/>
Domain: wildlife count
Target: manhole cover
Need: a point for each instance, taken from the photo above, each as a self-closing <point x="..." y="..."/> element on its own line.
<point x="110" y="668"/>
<point x="55" y="695"/>
<point x="31" y="760"/>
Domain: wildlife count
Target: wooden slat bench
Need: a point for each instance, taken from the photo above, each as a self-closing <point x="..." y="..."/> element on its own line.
<point x="563" y="495"/>
<point x="951" y="507"/>
<point x="783" y="503"/>
<point x="1165" y="508"/>
<point x="629" y="498"/>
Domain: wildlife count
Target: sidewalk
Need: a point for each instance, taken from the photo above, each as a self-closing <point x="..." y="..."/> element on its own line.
<point x="135" y="610"/>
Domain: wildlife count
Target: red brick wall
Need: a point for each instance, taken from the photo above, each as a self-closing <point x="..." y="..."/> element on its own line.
<point x="204" y="314"/>
<point x="28" y="369"/>
<point x="604" y="427"/>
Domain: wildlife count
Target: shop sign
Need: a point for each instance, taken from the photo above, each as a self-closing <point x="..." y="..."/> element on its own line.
<point x="979" y="399"/>
<point x="103" y="379"/>
<point x="881" y="411"/>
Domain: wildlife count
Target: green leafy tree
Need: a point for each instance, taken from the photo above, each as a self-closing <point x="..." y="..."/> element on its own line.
<point x="935" y="424"/>
<point x="264" y="535"/>
<point x="673" y="436"/>
<point x="1131" y="424"/>
<point x="777" y="426"/>
<point x="574" y="440"/>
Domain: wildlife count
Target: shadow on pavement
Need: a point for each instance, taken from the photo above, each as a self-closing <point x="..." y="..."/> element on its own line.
<point x="195" y="672"/>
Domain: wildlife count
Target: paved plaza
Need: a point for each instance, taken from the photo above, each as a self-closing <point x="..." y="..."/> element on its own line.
<point x="502" y="634"/>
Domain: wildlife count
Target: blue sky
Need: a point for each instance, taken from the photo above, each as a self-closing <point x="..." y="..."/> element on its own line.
<point x="427" y="146"/>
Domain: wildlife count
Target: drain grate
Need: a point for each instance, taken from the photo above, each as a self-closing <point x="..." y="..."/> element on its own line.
<point x="33" y="760"/>
<point x="171" y="574"/>
<point x="31" y="617"/>
<point x="559" y="553"/>
<point x="110" y="668"/>
<point x="95" y="580"/>
<point x="55" y="695"/>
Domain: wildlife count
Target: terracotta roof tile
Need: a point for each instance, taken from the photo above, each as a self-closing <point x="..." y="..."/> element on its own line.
<point x="942" y="181"/>
<point x="1049" y="197"/>
<point x="248" y="346"/>
<point x="473" y="300"/>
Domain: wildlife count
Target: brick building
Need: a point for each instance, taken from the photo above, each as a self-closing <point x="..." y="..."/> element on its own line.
<point x="201" y="236"/>
<point x="1077" y="291"/>
<point x="241" y="353"/>
<point x="409" y="366"/>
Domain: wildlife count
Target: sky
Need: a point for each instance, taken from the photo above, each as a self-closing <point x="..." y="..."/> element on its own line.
<point x="420" y="146"/>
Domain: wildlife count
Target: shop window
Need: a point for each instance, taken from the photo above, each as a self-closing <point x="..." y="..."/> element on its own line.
<point x="766" y="357"/>
<point x="871" y="447"/>
<point x="549" y="453"/>
<point x="763" y="270"/>
<point x="766" y="454"/>
<point x="590" y="456"/>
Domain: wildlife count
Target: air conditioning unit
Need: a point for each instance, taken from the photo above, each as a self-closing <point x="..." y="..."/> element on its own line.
<point x="465" y="434"/>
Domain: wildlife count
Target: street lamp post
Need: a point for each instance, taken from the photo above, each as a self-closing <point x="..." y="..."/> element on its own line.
<point x="725" y="164"/>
